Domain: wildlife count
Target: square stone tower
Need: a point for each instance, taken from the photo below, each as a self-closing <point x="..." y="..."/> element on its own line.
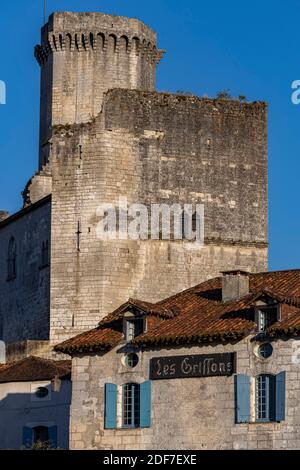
<point x="104" y="133"/>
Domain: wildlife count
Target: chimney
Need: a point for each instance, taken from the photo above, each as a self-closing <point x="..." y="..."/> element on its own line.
<point x="56" y="384"/>
<point x="235" y="285"/>
<point x="3" y="215"/>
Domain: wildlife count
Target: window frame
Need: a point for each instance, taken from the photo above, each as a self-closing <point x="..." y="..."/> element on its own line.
<point x="263" y="348"/>
<point x="131" y="327"/>
<point x="131" y="360"/>
<point x="265" y="311"/>
<point x="134" y="406"/>
<point x="270" y="398"/>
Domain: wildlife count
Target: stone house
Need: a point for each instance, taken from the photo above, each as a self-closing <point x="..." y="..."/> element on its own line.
<point x="213" y="367"/>
<point x="35" y="398"/>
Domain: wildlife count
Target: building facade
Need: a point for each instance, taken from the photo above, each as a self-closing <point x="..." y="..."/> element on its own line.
<point x="105" y="132"/>
<point x="213" y="367"/>
<point x="35" y="398"/>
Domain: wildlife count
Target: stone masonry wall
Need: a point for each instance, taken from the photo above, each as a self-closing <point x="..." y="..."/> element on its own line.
<point x="24" y="301"/>
<point x="82" y="55"/>
<point x="154" y="148"/>
<point x="196" y="413"/>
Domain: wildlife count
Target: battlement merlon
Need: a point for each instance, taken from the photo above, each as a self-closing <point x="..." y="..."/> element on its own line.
<point x="94" y="31"/>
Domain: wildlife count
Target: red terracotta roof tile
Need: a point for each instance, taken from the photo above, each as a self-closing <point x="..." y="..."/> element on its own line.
<point x="101" y="338"/>
<point x="32" y="369"/>
<point x="198" y="314"/>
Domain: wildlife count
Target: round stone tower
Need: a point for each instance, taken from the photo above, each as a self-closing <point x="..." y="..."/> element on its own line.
<point x="82" y="55"/>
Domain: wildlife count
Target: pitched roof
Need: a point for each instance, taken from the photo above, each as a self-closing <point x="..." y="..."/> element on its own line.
<point x="25" y="210"/>
<point x="142" y="307"/>
<point x="201" y="315"/>
<point x="32" y="369"/>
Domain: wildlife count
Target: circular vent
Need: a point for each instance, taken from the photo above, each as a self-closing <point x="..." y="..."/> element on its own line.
<point x="41" y="392"/>
<point x="265" y="350"/>
<point x="131" y="360"/>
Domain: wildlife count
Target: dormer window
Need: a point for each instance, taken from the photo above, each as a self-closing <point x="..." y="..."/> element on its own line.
<point x="133" y="328"/>
<point x="266" y="316"/>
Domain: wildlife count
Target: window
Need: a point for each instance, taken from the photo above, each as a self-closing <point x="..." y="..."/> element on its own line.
<point x="265" y="397"/>
<point x="45" y="254"/>
<point x="131" y="405"/>
<point x="266" y="317"/>
<point x="41" y="435"/>
<point x="269" y="398"/>
<point x="265" y="350"/>
<point x="134" y="327"/>
<point x="189" y="225"/>
<point x="12" y="260"/>
<point x="41" y="392"/>
<point x="135" y="401"/>
<point x="131" y="360"/>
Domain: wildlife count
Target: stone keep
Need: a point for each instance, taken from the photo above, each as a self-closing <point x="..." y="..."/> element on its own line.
<point x="105" y="132"/>
<point x="82" y="55"/>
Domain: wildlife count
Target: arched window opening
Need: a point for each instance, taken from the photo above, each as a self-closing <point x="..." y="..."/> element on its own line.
<point x="92" y="41"/>
<point x="189" y="225"/>
<point x="124" y="43"/>
<point x="112" y="42"/>
<point x="12" y="260"/>
<point x="83" y="41"/>
<point x="77" y="45"/>
<point x="135" y="45"/>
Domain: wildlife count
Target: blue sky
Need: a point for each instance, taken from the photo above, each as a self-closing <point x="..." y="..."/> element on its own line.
<point x="250" y="48"/>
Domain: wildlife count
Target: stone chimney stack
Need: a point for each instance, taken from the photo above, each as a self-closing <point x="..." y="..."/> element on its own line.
<point x="3" y="215"/>
<point x="235" y="285"/>
<point x="82" y="56"/>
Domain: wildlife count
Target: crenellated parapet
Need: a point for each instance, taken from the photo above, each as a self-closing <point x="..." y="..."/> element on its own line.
<point x="104" y="41"/>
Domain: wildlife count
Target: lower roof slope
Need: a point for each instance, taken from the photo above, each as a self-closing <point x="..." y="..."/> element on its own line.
<point x="32" y="369"/>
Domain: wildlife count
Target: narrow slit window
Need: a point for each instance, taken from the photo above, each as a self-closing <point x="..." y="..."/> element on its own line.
<point x="12" y="260"/>
<point x="45" y="254"/>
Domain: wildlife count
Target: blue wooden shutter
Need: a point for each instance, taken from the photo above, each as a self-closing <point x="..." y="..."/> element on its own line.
<point x="145" y="404"/>
<point x="280" y="396"/>
<point x="52" y="437"/>
<point x="242" y="397"/>
<point x="27" y="437"/>
<point x="110" y="413"/>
